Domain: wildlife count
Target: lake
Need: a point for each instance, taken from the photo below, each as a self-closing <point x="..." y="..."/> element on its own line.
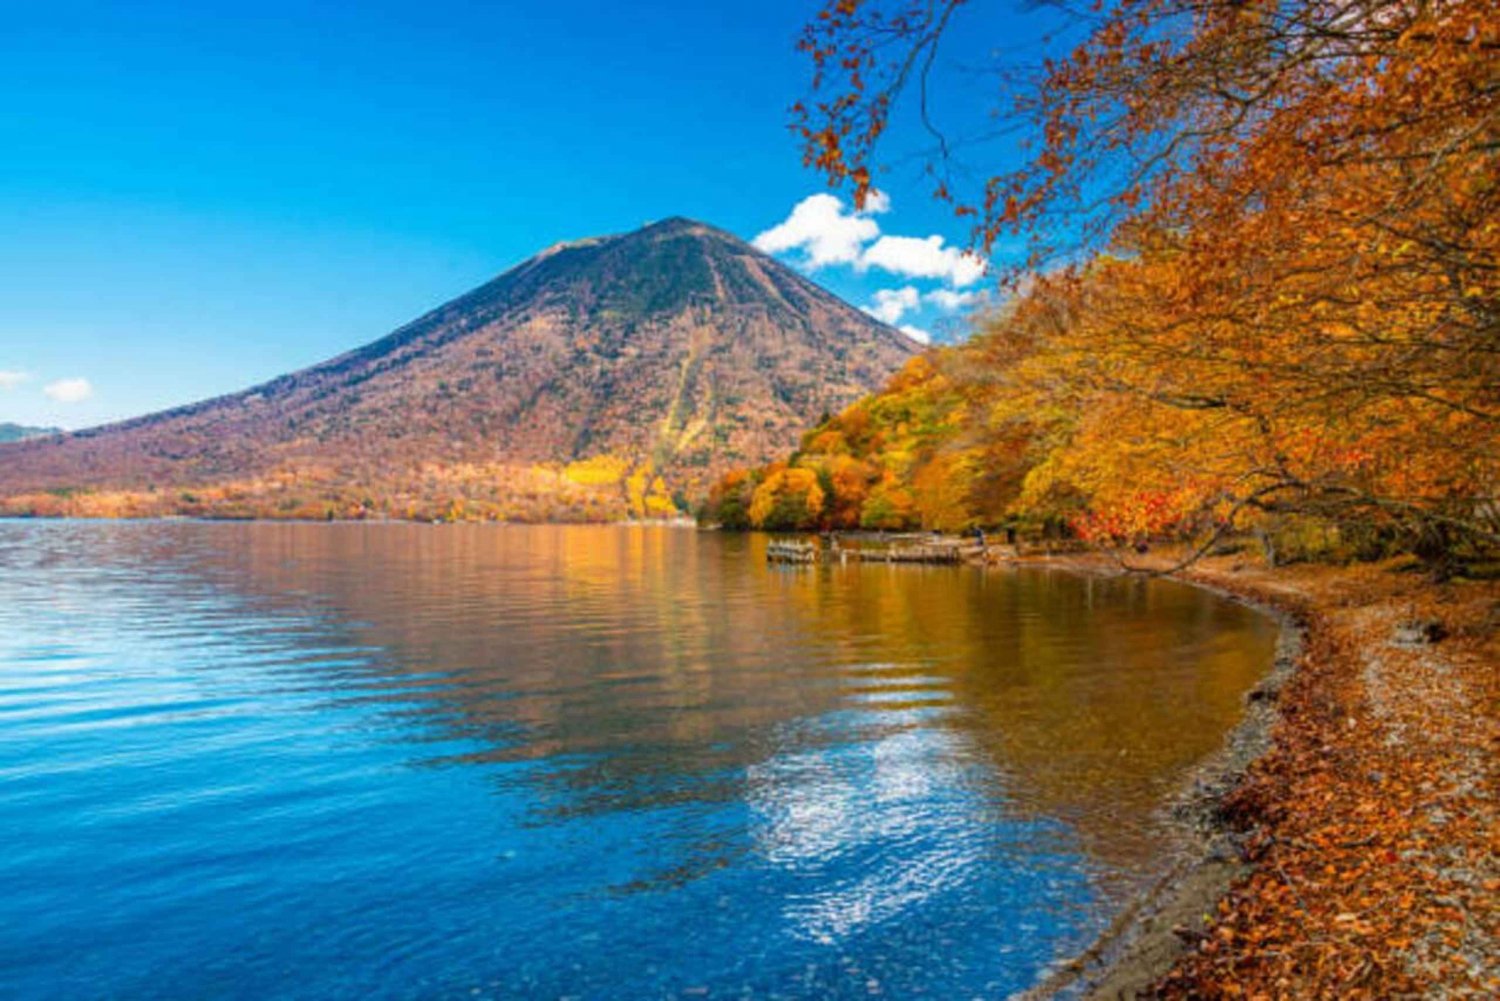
<point x="390" y="760"/>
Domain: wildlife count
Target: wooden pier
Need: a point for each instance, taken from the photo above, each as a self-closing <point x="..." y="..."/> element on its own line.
<point x="936" y="552"/>
<point x="782" y="551"/>
<point x="927" y="553"/>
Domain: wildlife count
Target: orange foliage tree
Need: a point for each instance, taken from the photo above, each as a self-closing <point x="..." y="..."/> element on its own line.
<point x="787" y="499"/>
<point x="1295" y="310"/>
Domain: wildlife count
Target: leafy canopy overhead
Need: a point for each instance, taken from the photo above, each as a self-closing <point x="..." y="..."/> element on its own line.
<point x="1278" y="227"/>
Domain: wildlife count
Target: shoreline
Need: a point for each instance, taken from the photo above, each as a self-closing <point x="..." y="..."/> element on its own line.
<point x="1343" y="840"/>
<point x="1140" y="947"/>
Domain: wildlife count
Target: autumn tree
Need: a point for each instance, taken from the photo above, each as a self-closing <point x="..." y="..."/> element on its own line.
<point x="1291" y="307"/>
<point x="889" y="506"/>
<point x="728" y="503"/>
<point x="787" y="499"/>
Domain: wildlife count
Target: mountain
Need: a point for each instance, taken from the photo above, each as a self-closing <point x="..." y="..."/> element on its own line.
<point x="20" y="432"/>
<point x="645" y="363"/>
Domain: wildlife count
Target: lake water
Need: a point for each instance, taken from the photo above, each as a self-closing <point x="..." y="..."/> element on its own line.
<point x="261" y="760"/>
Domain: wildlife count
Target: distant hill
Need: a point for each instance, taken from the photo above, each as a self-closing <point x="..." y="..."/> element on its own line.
<point x="20" y="432"/>
<point x="606" y="375"/>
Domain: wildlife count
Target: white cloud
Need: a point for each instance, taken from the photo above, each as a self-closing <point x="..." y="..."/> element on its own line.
<point x="891" y="304"/>
<point x="10" y="380"/>
<point x="69" y="390"/>
<point x="916" y="333"/>
<point x="950" y="301"/>
<point x="826" y="231"/>
<point x="916" y="257"/>
<point x="876" y="202"/>
<point x="822" y="228"/>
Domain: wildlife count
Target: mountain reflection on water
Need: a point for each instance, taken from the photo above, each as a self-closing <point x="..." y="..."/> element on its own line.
<point x="397" y="760"/>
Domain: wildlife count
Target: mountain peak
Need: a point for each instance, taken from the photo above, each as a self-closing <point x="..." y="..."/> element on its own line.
<point x="677" y="226"/>
<point x="674" y="224"/>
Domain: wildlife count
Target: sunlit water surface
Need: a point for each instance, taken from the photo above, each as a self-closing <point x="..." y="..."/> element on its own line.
<point x="441" y="761"/>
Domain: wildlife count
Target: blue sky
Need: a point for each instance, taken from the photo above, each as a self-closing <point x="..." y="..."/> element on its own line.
<point x="197" y="197"/>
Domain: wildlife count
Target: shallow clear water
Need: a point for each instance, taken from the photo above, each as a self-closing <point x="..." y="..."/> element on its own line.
<point x="446" y="761"/>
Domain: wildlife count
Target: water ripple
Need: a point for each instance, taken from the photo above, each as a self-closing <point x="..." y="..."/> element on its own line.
<point x="392" y="761"/>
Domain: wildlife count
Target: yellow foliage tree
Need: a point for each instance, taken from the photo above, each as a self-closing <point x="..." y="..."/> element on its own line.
<point x="787" y="499"/>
